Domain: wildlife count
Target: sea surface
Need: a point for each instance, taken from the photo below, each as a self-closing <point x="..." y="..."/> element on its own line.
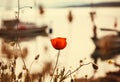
<point x="78" y="34"/>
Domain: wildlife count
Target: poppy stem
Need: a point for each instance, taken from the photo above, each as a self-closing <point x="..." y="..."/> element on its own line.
<point x="55" y="65"/>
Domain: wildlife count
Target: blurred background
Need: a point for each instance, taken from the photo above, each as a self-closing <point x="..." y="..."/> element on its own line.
<point x="70" y="19"/>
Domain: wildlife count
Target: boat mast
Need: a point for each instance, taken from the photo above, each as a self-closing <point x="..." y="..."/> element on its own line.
<point x="92" y="16"/>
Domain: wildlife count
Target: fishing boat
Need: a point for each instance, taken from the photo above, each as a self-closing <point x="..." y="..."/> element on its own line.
<point x="106" y="47"/>
<point x="10" y="31"/>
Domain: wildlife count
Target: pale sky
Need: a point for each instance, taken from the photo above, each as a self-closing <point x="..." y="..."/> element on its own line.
<point x="48" y="2"/>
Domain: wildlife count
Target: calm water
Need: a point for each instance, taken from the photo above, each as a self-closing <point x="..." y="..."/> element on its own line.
<point x="78" y="34"/>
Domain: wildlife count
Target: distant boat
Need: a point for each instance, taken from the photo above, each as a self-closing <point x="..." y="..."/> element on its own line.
<point x="9" y="30"/>
<point x="106" y="47"/>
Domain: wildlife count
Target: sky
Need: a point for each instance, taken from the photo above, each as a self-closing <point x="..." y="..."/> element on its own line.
<point x="48" y="3"/>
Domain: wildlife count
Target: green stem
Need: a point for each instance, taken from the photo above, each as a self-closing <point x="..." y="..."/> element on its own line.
<point x="55" y="66"/>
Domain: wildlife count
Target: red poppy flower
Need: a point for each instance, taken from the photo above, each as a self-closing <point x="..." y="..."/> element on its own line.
<point x="59" y="43"/>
